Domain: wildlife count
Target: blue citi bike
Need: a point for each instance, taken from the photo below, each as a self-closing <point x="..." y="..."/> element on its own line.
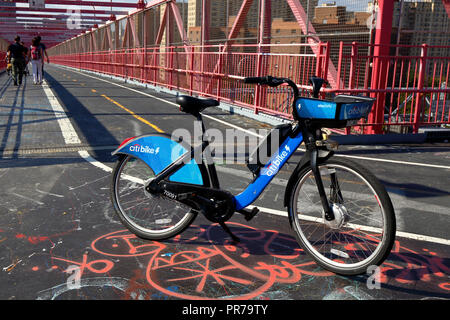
<point x="341" y="214"/>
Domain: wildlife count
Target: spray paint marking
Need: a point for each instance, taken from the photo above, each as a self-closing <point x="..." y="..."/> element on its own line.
<point x="263" y="259"/>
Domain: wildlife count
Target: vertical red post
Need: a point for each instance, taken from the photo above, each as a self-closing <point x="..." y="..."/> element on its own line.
<point x="265" y="21"/>
<point x="446" y="4"/>
<point x="205" y="22"/>
<point x="419" y="95"/>
<point x="353" y="61"/>
<point x="256" y="102"/>
<point x="326" y="60"/>
<point x="190" y="72"/>
<point x="169" y="48"/>
<point x="380" y="63"/>
<point x="319" y="58"/>
<point x="339" y="73"/>
<point x="219" y="77"/>
<point x="144" y="48"/>
<point x="204" y="40"/>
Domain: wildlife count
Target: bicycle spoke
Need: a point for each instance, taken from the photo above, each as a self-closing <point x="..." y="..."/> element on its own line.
<point x="142" y="210"/>
<point x="356" y="209"/>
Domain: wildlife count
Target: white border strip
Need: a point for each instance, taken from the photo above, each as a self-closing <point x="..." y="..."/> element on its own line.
<point x="67" y="130"/>
<point x="396" y="161"/>
<point x="403" y="234"/>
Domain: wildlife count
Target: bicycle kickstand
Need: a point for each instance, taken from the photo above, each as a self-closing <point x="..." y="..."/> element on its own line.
<point x="227" y="230"/>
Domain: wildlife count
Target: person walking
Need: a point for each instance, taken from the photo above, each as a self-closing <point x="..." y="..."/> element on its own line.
<point x="44" y="53"/>
<point x="16" y="56"/>
<point x="35" y="56"/>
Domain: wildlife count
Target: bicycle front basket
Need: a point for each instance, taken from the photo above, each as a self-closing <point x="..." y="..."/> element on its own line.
<point x="345" y="110"/>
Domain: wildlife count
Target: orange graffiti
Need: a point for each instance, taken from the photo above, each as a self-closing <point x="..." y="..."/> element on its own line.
<point x="212" y="267"/>
<point x="108" y="265"/>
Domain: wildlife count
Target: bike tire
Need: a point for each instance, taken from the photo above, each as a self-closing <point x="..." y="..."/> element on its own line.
<point x="149" y="217"/>
<point x="358" y="197"/>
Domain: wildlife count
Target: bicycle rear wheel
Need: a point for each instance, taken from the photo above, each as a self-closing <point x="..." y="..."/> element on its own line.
<point x="363" y="231"/>
<point x="152" y="217"/>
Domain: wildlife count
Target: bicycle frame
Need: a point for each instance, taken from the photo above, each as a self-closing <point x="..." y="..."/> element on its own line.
<point x="304" y="130"/>
<point x="257" y="186"/>
<point x="268" y="172"/>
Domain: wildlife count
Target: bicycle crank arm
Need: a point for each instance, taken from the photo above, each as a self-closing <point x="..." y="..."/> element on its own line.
<point x="217" y="205"/>
<point x="249" y="214"/>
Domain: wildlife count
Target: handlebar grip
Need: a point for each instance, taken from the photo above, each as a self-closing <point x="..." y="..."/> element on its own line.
<point x="255" y="80"/>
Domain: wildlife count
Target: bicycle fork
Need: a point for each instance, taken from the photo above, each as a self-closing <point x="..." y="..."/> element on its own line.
<point x="312" y="148"/>
<point x="329" y="215"/>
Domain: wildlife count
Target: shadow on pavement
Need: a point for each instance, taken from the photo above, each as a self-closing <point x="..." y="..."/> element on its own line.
<point x="92" y="130"/>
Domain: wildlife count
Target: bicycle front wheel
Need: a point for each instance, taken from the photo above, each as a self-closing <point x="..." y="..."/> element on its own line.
<point x="152" y="217"/>
<point x="363" y="231"/>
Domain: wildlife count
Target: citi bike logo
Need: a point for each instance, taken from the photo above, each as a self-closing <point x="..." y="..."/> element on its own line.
<point x="276" y="163"/>
<point x="356" y="111"/>
<point x="144" y="149"/>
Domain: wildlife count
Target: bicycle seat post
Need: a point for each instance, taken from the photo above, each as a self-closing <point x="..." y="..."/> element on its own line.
<point x="208" y="155"/>
<point x="204" y="138"/>
<point x="200" y="119"/>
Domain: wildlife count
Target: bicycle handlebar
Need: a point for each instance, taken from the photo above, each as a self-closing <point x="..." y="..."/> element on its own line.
<point x="273" y="82"/>
<point x="254" y="80"/>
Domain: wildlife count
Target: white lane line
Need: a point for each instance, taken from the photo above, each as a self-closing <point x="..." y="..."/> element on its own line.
<point x="403" y="234"/>
<point x="68" y="132"/>
<point x="85" y="155"/>
<point x="395" y="161"/>
<point x="233" y="126"/>
<point x="253" y="133"/>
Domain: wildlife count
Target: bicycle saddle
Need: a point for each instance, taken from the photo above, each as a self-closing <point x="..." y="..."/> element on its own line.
<point x="193" y="105"/>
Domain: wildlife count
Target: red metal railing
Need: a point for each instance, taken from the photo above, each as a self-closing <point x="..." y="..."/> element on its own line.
<point x="413" y="92"/>
<point x="209" y="71"/>
<point x="411" y="86"/>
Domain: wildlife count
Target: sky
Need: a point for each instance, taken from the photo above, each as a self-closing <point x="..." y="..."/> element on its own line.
<point x="352" y="5"/>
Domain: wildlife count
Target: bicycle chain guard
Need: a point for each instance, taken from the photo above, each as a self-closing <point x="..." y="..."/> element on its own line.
<point x="217" y="205"/>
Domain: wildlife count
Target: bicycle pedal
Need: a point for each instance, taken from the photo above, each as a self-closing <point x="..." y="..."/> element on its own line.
<point x="329" y="144"/>
<point x="249" y="214"/>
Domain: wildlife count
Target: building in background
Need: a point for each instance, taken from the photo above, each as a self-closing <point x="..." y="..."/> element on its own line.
<point x="330" y="13"/>
<point x="421" y="22"/>
<point x="223" y="13"/>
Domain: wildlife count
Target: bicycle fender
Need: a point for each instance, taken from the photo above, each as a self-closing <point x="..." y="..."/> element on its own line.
<point x="304" y="162"/>
<point x="158" y="151"/>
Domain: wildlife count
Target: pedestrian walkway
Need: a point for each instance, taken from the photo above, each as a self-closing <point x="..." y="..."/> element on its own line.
<point x="27" y="119"/>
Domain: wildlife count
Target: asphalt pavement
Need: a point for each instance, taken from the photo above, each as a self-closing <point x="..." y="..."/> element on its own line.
<point x="56" y="212"/>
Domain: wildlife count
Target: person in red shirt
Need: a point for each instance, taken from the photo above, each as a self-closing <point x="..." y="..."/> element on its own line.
<point x="35" y="55"/>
